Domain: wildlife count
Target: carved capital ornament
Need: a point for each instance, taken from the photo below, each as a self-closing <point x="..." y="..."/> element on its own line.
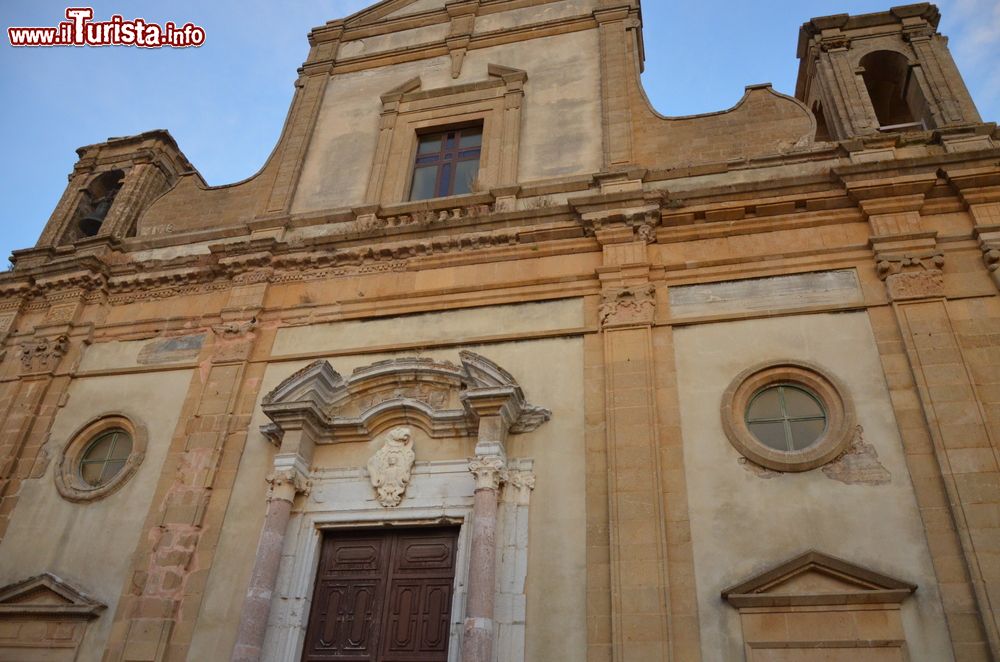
<point x="628" y="306"/>
<point x="490" y="472"/>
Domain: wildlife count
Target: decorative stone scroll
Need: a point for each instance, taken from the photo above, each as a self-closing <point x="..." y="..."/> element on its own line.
<point x="389" y="468"/>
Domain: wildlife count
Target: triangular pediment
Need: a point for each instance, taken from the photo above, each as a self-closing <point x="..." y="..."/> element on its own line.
<point x="817" y="579"/>
<point x="47" y="595"/>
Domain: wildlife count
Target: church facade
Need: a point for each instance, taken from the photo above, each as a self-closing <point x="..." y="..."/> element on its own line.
<point x="492" y="362"/>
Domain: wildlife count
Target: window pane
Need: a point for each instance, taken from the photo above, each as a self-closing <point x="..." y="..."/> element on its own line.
<point x="806" y="433"/>
<point x="423" y="183"/>
<point x="444" y="185"/>
<point x="111" y="469"/>
<point x="799" y="404"/>
<point x="122" y="448"/>
<point x="100" y="448"/>
<point x="770" y="434"/>
<point x="765" y="406"/>
<point x="91" y="473"/>
<point x="471" y="138"/>
<point x="465" y="175"/>
<point x="449" y="142"/>
<point x="429" y="145"/>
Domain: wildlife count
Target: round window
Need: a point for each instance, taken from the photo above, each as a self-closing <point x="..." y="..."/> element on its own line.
<point x="105" y="457"/>
<point x="787" y="416"/>
<point x="100" y="457"/>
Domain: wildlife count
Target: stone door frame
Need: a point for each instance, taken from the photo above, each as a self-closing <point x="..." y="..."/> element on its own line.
<point x="440" y="494"/>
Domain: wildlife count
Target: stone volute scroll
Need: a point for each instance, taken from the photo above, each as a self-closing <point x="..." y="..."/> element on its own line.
<point x="389" y="468"/>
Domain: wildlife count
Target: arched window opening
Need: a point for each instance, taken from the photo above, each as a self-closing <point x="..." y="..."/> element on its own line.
<point x="894" y="92"/>
<point x="94" y="206"/>
<point x="822" y="131"/>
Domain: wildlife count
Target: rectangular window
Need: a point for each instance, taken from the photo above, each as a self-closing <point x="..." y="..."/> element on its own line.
<point x="447" y="163"/>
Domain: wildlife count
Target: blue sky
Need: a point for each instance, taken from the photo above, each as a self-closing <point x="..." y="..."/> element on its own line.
<point x="226" y="101"/>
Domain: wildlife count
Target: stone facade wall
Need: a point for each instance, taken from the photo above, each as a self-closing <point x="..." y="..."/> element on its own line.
<point x="612" y="280"/>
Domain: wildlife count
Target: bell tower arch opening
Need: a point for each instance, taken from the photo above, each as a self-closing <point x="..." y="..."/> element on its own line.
<point x="894" y="92"/>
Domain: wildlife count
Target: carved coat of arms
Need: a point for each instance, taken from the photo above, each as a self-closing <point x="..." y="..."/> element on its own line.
<point x="389" y="468"/>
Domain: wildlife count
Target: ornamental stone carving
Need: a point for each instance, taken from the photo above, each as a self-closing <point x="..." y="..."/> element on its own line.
<point x="287" y="482"/>
<point x="892" y="265"/>
<point x="912" y="276"/>
<point x="43" y="353"/>
<point x="389" y="468"/>
<point x="627" y="306"/>
<point x="991" y="256"/>
<point x="489" y="471"/>
<point x="234" y="329"/>
<point x="442" y="399"/>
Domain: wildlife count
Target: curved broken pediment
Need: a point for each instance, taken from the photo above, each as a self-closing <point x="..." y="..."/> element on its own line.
<point x="439" y="397"/>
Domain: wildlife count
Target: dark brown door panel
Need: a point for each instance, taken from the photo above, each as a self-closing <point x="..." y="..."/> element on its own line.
<point x="383" y="596"/>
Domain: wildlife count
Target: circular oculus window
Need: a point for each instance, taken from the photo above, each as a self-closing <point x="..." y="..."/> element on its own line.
<point x="787" y="416"/>
<point x="100" y="457"/>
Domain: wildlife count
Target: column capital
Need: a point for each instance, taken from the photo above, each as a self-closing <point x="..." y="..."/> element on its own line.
<point x="632" y="305"/>
<point x="286" y="483"/>
<point x="490" y="471"/>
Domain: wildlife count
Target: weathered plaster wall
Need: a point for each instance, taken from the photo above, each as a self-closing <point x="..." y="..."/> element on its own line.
<point x="550" y="371"/>
<point x="452" y="326"/>
<point x="516" y="18"/>
<point x="392" y="40"/>
<point x="560" y="124"/>
<point x="743" y="524"/>
<point x="90" y="545"/>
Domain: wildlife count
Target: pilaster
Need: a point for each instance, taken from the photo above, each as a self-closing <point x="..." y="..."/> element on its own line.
<point x="309" y="91"/>
<point x="157" y="612"/>
<point x="45" y="362"/>
<point x="640" y="621"/>
<point x="613" y="23"/>
<point x="949" y="451"/>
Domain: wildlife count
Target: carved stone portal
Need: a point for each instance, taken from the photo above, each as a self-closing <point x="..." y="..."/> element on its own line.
<point x="389" y="468"/>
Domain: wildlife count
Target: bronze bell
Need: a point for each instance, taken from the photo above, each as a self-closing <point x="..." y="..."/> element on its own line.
<point x="90" y="224"/>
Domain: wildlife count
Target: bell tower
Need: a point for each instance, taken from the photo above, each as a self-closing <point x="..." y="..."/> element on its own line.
<point x="111" y="184"/>
<point x="881" y="73"/>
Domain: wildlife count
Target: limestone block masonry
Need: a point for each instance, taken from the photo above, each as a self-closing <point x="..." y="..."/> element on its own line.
<point x="514" y="424"/>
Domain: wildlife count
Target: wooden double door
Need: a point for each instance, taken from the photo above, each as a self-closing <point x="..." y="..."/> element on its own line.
<point x="383" y="596"/>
